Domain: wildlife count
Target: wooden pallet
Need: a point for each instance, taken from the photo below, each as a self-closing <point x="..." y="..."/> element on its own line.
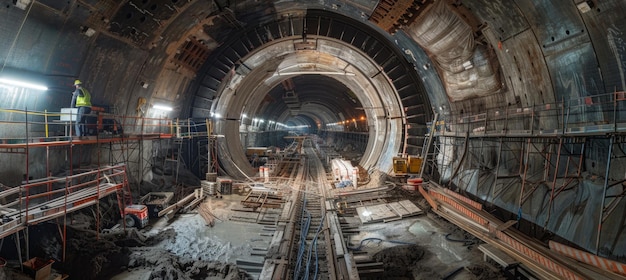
<point x="388" y="211"/>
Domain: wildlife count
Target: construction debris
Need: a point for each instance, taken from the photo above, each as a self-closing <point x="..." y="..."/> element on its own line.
<point x="194" y="198"/>
<point x="205" y="211"/>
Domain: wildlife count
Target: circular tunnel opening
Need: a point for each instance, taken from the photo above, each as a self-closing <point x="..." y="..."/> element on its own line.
<point x="304" y="105"/>
<point x="335" y="88"/>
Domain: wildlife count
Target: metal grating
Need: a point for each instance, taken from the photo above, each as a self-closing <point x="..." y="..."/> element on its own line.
<point x="192" y="54"/>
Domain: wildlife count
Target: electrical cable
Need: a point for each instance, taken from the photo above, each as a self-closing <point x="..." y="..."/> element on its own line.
<point x="319" y="230"/>
<point x="304" y="228"/>
<point x="358" y="248"/>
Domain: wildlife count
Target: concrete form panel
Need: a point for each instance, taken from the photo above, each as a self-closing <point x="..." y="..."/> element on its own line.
<point x="112" y="74"/>
<point x="61" y="6"/>
<point x="524" y="70"/>
<point x="423" y="65"/>
<point x="170" y="85"/>
<point x="68" y="54"/>
<point x="557" y="24"/>
<point x="606" y="25"/>
<point x="10" y="20"/>
<point x="613" y="238"/>
<point x="575" y="213"/>
<point x="32" y="47"/>
<point x="575" y="74"/>
<point x="503" y="17"/>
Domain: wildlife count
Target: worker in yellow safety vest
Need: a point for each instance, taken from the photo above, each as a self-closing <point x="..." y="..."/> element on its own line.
<point x="81" y="99"/>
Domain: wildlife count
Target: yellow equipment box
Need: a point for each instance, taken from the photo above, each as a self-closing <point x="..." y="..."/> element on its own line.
<point x="415" y="164"/>
<point x="399" y="165"/>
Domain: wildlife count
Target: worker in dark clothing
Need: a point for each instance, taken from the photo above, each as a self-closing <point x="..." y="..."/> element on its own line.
<point x="81" y="99"/>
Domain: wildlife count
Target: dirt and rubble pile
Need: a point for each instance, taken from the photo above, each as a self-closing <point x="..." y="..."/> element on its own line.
<point x="399" y="261"/>
<point x="484" y="272"/>
<point x="165" y="265"/>
<point x="92" y="258"/>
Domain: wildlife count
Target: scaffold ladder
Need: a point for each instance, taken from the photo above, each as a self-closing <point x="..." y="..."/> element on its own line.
<point x="427" y="144"/>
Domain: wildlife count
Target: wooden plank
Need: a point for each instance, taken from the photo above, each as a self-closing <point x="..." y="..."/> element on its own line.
<point x="381" y="212"/>
<point x="498" y="256"/>
<point x="176" y="206"/>
<point x="364" y="218"/>
<point x="506" y="225"/>
<point x="428" y="198"/>
<point x="410" y="206"/>
<point x="398" y="209"/>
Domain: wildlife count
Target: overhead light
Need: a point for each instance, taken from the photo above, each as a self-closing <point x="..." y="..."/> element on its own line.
<point x="162" y="107"/>
<point x="22" y="4"/>
<point x="585" y="6"/>
<point x="468" y="65"/>
<point x="90" y="32"/>
<point x="22" y="84"/>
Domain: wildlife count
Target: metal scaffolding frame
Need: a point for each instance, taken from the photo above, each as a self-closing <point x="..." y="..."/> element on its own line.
<point x="38" y="200"/>
<point x="550" y="143"/>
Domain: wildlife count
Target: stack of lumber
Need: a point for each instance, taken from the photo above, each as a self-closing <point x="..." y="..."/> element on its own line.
<point x="205" y="211"/>
<point x="188" y="203"/>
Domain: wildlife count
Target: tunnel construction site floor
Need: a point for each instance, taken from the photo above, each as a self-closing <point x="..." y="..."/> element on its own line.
<point x="411" y="247"/>
<point x="415" y="247"/>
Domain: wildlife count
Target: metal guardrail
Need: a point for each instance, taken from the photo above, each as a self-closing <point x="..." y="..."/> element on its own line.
<point x="596" y="114"/>
<point x="48" y="198"/>
<point x="22" y="126"/>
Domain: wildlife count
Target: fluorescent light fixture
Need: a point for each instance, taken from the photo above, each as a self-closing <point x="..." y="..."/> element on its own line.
<point x="22" y="84"/>
<point x="22" y="4"/>
<point x="162" y="107"/>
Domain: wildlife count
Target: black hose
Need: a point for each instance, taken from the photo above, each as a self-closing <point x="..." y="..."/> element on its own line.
<point x="466" y="242"/>
<point x="452" y="273"/>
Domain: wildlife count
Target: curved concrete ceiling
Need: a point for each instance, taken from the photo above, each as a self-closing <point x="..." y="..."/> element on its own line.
<point x="455" y="58"/>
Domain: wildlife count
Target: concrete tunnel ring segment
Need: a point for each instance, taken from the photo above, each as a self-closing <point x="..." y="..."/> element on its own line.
<point x="243" y="94"/>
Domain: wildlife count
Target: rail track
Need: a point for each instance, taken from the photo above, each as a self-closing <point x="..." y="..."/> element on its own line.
<point x="310" y="248"/>
<point x="306" y="248"/>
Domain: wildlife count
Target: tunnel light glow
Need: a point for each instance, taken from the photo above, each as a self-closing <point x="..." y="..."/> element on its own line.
<point x="162" y="107"/>
<point x="22" y="84"/>
<point x="244" y="116"/>
<point x="314" y="73"/>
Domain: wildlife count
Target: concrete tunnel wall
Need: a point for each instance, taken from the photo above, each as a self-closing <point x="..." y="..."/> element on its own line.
<point x="546" y="54"/>
<point x="539" y="52"/>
